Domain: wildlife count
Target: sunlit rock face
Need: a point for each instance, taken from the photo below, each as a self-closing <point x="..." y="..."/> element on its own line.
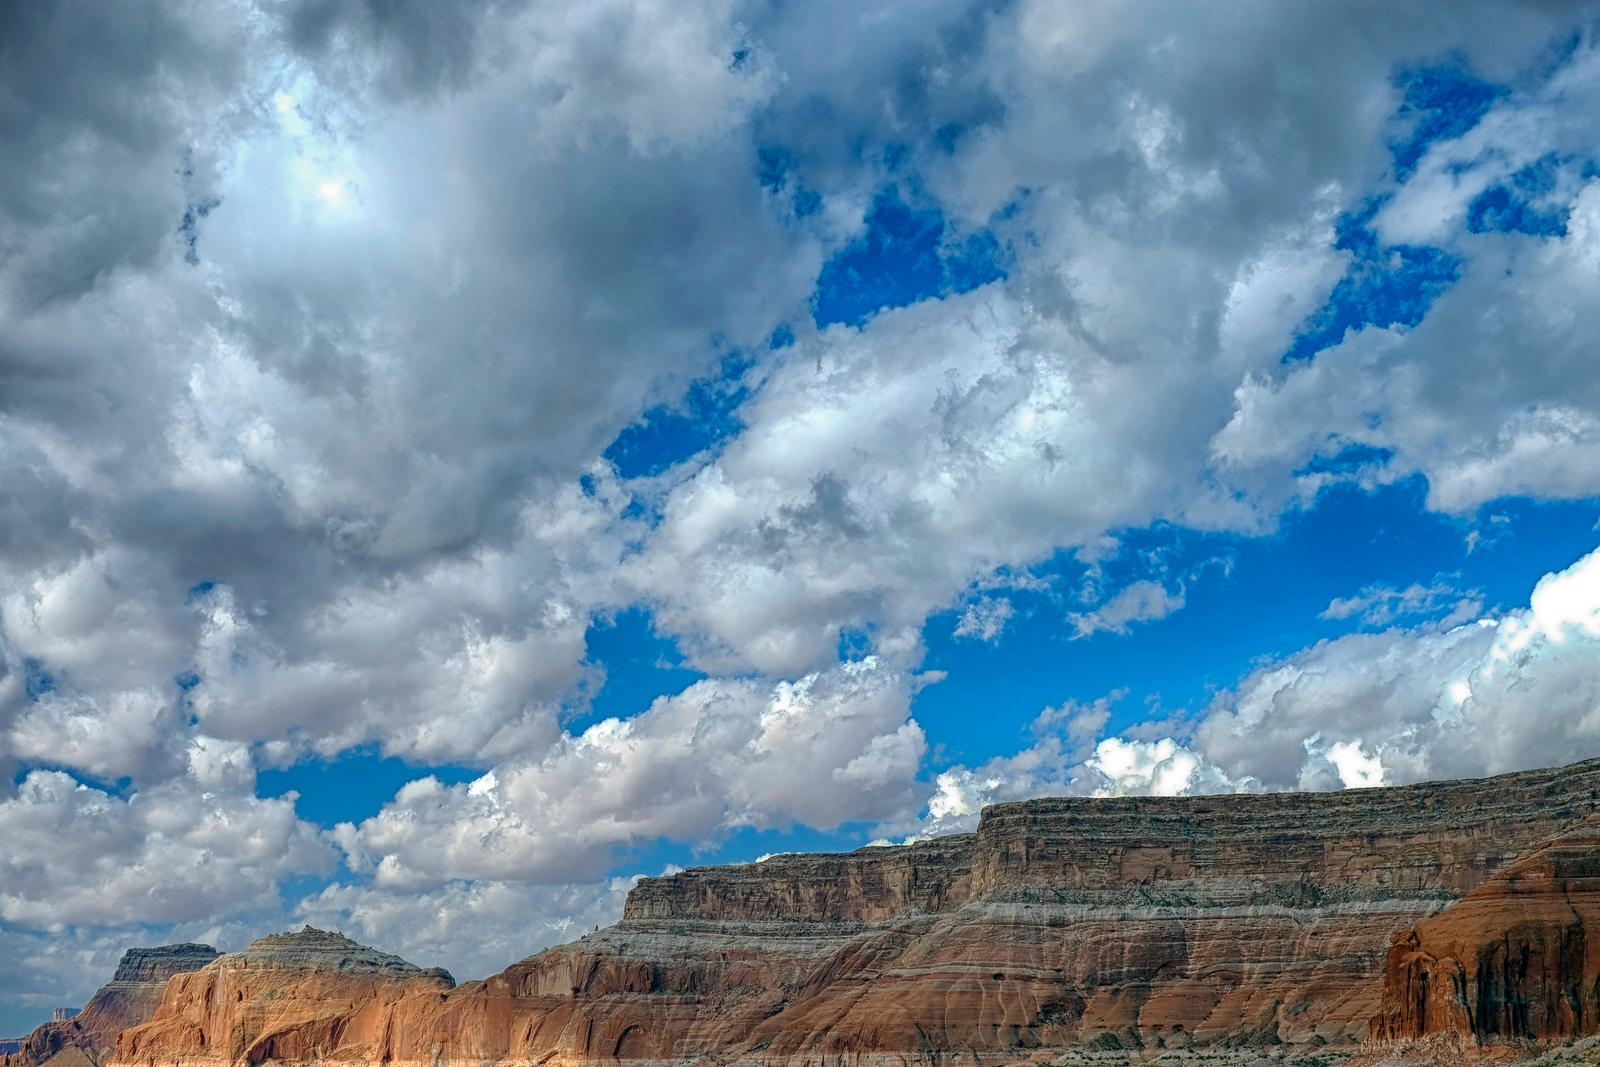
<point x="128" y="999"/>
<point x="1148" y="923"/>
<point x="1518" y="957"/>
<point x="299" y="996"/>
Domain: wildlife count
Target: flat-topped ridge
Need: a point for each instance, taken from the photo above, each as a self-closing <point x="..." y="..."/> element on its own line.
<point x="1422" y="802"/>
<point x="870" y="884"/>
<point x="1426" y="838"/>
<point x="1431" y="839"/>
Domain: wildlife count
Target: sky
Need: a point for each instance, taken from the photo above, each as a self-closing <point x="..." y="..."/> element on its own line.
<point x="458" y="458"/>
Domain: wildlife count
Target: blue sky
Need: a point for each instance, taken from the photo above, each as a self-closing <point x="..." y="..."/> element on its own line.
<point x="1246" y="599"/>
<point x="441" y="483"/>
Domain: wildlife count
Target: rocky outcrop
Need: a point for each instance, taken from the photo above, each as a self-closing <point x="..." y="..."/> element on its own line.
<point x="156" y="965"/>
<point x="1155" y="923"/>
<point x="1518" y="957"/>
<point x="869" y="885"/>
<point x="129" y="998"/>
<point x="301" y="996"/>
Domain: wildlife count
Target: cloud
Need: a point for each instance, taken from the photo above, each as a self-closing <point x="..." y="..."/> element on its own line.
<point x="1067" y="742"/>
<point x="64" y="965"/>
<point x="1439" y="397"/>
<point x="200" y="845"/>
<point x="1500" y="693"/>
<point x="1140" y="601"/>
<point x="359" y="421"/>
<point x="832" y="746"/>
<point x="87" y="671"/>
<point x="1406" y="704"/>
<point x="95" y="195"/>
<point x="954" y="420"/>
<point x="985" y="619"/>
<point x="1034" y="416"/>
<point x="1121" y="767"/>
<point x="1379" y="605"/>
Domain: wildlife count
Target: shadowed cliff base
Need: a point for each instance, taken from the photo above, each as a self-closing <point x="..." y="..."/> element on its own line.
<point x="1204" y="929"/>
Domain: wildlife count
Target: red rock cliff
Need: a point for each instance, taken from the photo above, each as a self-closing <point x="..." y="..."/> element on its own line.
<point x="305" y="996"/>
<point x="1518" y="957"/>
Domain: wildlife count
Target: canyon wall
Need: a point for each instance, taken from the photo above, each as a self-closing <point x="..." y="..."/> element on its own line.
<point x="129" y="998"/>
<point x="1440" y="837"/>
<point x="871" y="885"/>
<point x="1148" y="923"/>
<point x="1447" y="836"/>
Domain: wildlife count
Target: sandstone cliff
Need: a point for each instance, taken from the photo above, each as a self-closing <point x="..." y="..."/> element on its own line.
<point x="1143" y="923"/>
<point x="302" y="996"/>
<point x="129" y="998"/>
<point x="1518" y="957"/>
<point x="870" y="884"/>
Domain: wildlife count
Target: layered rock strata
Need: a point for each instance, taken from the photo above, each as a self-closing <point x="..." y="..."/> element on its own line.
<point x="288" y="997"/>
<point x="870" y="885"/>
<point x="1148" y="923"/>
<point x="1518" y="957"/>
<point x="129" y="998"/>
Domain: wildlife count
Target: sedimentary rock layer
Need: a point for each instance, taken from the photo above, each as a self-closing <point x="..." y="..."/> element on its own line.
<point x="304" y="996"/>
<point x="129" y="998"/>
<point x="1152" y="922"/>
<point x="868" y="885"/>
<point x="1518" y="957"/>
<point x="1444" y="836"/>
<point x="1448" y="836"/>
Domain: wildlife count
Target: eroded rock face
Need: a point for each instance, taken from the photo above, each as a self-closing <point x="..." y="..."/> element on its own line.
<point x="158" y="964"/>
<point x="1518" y="957"/>
<point x="867" y="885"/>
<point x="303" y="996"/>
<point x="129" y="998"/>
<point x="1440" y="836"/>
<point x="1155" y="923"/>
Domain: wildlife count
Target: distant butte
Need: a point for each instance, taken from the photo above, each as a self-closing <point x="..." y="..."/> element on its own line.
<point x="1370" y="922"/>
<point x="129" y="998"/>
<point x="288" y="997"/>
